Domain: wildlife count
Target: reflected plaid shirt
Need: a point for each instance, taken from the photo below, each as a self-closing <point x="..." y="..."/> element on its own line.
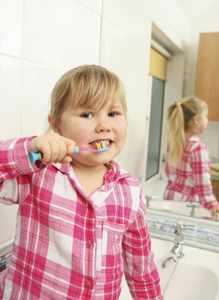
<point x="69" y="246"/>
<point x="190" y="180"/>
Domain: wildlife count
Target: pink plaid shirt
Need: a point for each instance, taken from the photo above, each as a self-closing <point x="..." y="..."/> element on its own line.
<point x="68" y="245"/>
<point x="190" y="180"/>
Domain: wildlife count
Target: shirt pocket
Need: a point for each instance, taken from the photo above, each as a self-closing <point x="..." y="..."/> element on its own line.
<point x="111" y="246"/>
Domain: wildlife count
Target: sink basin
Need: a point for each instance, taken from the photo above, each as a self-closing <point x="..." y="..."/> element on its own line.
<point x="178" y="207"/>
<point x="196" y="282"/>
<point x="194" y="277"/>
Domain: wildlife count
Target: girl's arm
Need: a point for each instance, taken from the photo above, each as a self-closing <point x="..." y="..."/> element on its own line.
<point x="14" y="167"/>
<point x="140" y="269"/>
<point x="200" y="162"/>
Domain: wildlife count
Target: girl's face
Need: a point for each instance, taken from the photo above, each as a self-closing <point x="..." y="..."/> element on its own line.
<point x="90" y="126"/>
<point x="203" y="122"/>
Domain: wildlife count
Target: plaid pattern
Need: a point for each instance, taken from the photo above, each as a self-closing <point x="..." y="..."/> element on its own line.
<point x="69" y="246"/>
<point x="190" y="180"/>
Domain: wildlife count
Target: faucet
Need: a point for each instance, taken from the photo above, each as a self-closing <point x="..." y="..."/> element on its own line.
<point x="148" y="199"/>
<point x="193" y="206"/>
<point x="176" y="251"/>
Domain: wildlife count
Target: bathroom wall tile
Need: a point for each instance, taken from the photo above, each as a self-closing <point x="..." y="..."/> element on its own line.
<point x="164" y="225"/>
<point x="175" y="85"/>
<point x="81" y="46"/>
<point x="138" y="154"/>
<point x="35" y="100"/>
<point x="7" y="222"/>
<point x="116" y="12"/>
<point x="95" y="5"/>
<point x="138" y="18"/>
<point x="125" y="158"/>
<point x="211" y="138"/>
<point x="191" y="59"/>
<point x="137" y="58"/>
<point x="207" y="235"/>
<point x="136" y="101"/>
<point x="44" y="28"/>
<point x="11" y="27"/>
<point x="113" y="42"/>
<point x="189" y="84"/>
<point x="10" y="95"/>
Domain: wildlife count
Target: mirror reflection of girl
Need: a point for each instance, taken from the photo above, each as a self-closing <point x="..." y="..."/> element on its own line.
<point x="80" y="215"/>
<point x="187" y="162"/>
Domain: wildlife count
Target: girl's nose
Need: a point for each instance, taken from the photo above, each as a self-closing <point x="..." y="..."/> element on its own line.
<point x="103" y="126"/>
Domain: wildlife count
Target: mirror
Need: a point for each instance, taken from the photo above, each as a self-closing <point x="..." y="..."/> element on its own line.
<point x="126" y="32"/>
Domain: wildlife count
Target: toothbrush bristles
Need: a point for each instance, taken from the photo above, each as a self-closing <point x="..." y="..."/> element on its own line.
<point x="101" y="145"/>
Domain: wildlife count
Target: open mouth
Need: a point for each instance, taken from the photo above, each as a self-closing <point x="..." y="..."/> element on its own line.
<point x="108" y="142"/>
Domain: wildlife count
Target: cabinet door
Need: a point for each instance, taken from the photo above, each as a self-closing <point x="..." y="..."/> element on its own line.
<point x="207" y="78"/>
<point x="215" y="185"/>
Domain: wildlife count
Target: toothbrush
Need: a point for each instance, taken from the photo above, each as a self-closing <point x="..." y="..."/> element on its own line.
<point x="100" y="148"/>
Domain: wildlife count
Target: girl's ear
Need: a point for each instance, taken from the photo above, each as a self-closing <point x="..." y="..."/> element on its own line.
<point x="195" y="119"/>
<point x="55" y="126"/>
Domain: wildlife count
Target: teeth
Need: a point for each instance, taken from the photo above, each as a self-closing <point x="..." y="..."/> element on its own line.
<point x="98" y="142"/>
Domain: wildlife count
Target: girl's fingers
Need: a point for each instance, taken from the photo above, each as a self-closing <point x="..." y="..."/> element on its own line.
<point x="55" y="148"/>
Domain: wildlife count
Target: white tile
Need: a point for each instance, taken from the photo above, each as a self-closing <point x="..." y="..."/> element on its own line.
<point x="38" y="82"/>
<point x="95" y="5"/>
<point x="211" y="138"/>
<point x="136" y="102"/>
<point x="44" y="28"/>
<point x="136" y="62"/>
<point x="116" y="12"/>
<point x="191" y="59"/>
<point x="175" y="85"/>
<point x="138" y="18"/>
<point x="82" y="36"/>
<point x="113" y="46"/>
<point x="10" y="93"/>
<point x="125" y="158"/>
<point x="138" y="154"/>
<point x="8" y="222"/>
<point x="189" y="85"/>
<point x="11" y="27"/>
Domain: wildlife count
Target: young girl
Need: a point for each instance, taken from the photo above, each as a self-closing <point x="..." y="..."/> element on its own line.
<point x="81" y="220"/>
<point x="188" y="163"/>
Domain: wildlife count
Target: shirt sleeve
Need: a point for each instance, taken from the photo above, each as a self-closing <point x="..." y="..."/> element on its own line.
<point x="15" y="168"/>
<point x="140" y="269"/>
<point x="200" y="162"/>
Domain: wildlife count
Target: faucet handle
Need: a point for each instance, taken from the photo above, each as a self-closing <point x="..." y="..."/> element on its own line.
<point x="180" y="224"/>
<point x="148" y="199"/>
<point x="193" y="205"/>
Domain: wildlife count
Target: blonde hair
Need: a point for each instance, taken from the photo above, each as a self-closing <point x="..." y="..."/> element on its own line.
<point x="85" y="86"/>
<point x="179" y="115"/>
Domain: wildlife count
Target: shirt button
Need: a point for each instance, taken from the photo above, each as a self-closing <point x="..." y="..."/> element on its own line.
<point x="88" y="286"/>
<point x="88" y="245"/>
<point x="89" y="207"/>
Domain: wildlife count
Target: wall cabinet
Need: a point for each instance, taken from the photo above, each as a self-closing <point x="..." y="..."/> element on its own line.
<point x="207" y="77"/>
<point x="215" y="185"/>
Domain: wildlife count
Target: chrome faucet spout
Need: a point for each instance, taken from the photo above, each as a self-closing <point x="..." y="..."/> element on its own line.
<point x="177" y="250"/>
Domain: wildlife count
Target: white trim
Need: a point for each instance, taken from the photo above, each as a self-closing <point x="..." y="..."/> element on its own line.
<point x="160" y="49"/>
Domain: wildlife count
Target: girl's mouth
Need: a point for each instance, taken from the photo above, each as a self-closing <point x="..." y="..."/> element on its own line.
<point x="108" y="142"/>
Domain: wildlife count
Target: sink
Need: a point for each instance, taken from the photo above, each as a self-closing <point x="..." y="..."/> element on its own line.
<point x="178" y="207"/>
<point x="194" y="277"/>
<point x="196" y="282"/>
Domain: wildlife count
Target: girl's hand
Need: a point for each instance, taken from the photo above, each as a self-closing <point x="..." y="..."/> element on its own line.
<point x="54" y="147"/>
<point x="214" y="212"/>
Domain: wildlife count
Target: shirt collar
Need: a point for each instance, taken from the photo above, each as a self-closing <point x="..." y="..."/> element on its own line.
<point x="114" y="172"/>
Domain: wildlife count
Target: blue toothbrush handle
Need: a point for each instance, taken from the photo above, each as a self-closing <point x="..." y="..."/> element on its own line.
<point x="34" y="157"/>
<point x="38" y="156"/>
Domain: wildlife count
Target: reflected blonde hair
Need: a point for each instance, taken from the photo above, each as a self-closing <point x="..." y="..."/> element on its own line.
<point x="179" y="115"/>
<point x="85" y="86"/>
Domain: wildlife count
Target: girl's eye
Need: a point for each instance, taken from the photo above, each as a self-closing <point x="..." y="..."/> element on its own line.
<point x="113" y="114"/>
<point x="87" y="115"/>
